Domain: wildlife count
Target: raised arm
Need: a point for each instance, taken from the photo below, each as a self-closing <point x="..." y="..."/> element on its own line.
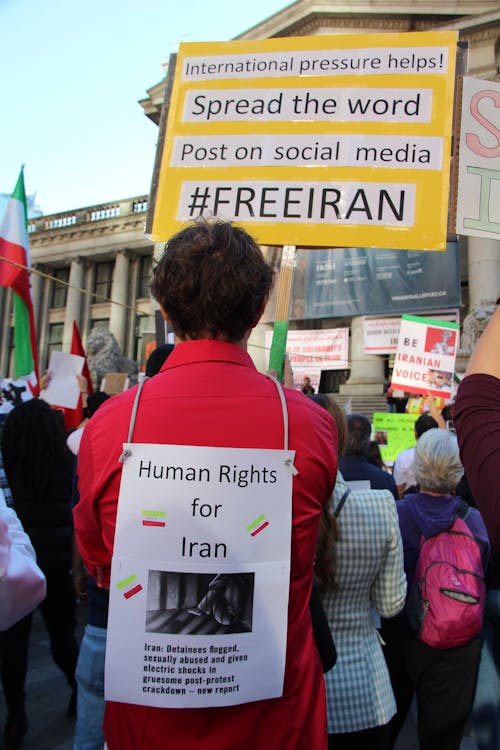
<point x="477" y="423"/>
<point x="434" y="411"/>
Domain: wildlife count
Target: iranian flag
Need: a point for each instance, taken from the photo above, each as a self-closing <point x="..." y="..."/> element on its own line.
<point x="14" y="265"/>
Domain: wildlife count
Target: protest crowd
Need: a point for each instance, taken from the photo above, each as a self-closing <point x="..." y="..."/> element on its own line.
<point x="231" y="548"/>
<point x="391" y="594"/>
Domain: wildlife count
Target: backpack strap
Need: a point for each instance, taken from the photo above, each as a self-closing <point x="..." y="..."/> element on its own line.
<point x="126" y="453"/>
<point x="341" y="502"/>
<point x="463" y="509"/>
<point x="284" y="409"/>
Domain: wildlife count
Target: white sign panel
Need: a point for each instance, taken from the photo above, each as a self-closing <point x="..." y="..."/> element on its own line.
<point x="13" y="393"/>
<point x="425" y="358"/>
<point x="478" y="201"/>
<point x="310" y="352"/>
<point x="200" y="574"/>
<point x="381" y="335"/>
<point x="63" y="389"/>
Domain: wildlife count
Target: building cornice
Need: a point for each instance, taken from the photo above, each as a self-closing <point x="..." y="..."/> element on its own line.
<point x="94" y="221"/>
<point x="53" y="238"/>
<point x="477" y="22"/>
<point x="326" y="23"/>
<point x="297" y="14"/>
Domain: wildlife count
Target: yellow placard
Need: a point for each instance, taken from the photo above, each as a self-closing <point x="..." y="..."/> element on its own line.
<point x="394" y="433"/>
<point x="313" y="141"/>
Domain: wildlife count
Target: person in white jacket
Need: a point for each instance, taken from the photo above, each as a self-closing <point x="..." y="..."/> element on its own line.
<point x="22" y="583"/>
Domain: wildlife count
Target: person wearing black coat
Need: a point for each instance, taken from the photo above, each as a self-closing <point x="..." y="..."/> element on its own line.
<point x="39" y="466"/>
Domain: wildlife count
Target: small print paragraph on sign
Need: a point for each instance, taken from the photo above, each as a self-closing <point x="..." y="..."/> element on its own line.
<point x="346" y="203"/>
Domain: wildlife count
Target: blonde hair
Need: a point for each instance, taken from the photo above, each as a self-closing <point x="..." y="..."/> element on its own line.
<point x="437" y="461"/>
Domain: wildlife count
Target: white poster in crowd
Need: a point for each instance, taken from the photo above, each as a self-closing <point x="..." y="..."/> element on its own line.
<point x="381" y="334"/>
<point x="425" y="358"/>
<point x="63" y="389"/>
<point x="478" y="200"/>
<point x="200" y="576"/>
<point x="310" y="352"/>
<point x="13" y="393"/>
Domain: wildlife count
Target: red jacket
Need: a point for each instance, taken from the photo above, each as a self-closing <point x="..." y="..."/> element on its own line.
<point x="209" y="393"/>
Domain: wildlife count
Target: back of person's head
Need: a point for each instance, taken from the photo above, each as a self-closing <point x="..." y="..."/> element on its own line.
<point x="359" y="430"/>
<point x="212" y="281"/>
<point x="447" y="412"/>
<point x="374" y="454"/>
<point x="157" y="358"/>
<point x="338" y="415"/>
<point x="94" y="401"/>
<point x="437" y="462"/>
<point x="423" y="423"/>
<point x="37" y="461"/>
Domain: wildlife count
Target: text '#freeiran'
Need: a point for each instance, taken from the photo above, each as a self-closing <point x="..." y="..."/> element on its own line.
<point x="346" y="203"/>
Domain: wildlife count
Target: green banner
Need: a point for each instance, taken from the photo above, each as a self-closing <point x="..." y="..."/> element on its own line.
<point x="394" y="433"/>
<point x="278" y="348"/>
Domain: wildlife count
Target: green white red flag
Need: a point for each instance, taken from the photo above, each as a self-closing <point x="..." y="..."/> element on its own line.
<point x="14" y="273"/>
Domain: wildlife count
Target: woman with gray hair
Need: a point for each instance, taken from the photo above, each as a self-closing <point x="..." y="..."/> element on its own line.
<point x="443" y="679"/>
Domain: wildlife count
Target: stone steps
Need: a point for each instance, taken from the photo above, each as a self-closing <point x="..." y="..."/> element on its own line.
<point x="366" y="405"/>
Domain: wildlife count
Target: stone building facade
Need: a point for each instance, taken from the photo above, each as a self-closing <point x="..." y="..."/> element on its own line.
<point x="81" y="260"/>
<point x="102" y="250"/>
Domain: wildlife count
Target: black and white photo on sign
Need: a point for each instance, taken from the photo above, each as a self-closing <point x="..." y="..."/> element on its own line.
<point x="199" y="603"/>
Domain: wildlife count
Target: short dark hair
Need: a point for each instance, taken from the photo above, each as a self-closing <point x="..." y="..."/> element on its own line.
<point x="423" y="423"/>
<point x="94" y="401"/>
<point x="211" y="281"/>
<point x="359" y="430"/>
<point x="157" y="358"/>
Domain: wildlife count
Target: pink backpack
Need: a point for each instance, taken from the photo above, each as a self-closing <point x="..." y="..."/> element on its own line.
<point x="446" y="601"/>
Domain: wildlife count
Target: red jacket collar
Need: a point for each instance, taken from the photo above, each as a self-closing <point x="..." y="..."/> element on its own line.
<point x="207" y="350"/>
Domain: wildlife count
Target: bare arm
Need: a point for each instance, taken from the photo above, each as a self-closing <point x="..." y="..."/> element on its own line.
<point x="486" y="356"/>
<point x="434" y="411"/>
<point x="287" y="373"/>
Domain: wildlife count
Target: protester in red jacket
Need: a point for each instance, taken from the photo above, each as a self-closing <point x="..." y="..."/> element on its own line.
<point x="212" y="284"/>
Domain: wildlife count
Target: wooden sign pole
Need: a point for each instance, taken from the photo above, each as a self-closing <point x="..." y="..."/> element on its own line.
<point x="280" y="331"/>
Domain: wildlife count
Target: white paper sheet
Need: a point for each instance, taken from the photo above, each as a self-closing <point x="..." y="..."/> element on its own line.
<point x="63" y="389"/>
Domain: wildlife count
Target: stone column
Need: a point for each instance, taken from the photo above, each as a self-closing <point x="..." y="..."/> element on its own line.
<point x="484" y="269"/>
<point x="367" y="370"/>
<point x="119" y="293"/>
<point x="36" y="296"/>
<point x="73" y="301"/>
<point x="43" y="330"/>
<point x="157" y="253"/>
